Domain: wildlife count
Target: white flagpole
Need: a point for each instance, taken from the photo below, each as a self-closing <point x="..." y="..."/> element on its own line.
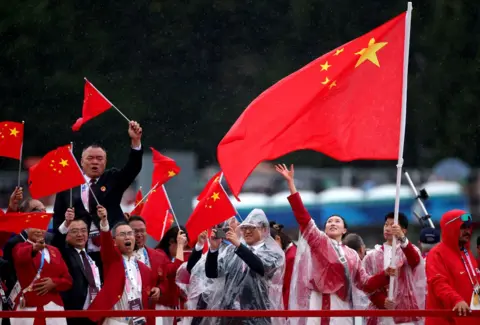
<point x="21" y="157"/>
<point x="170" y="205"/>
<point x="164" y="224"/>
<point x="145" y="197"/>
<point x="71" y="190"/>
<point x="236" y="211"/>
<point x="108" y="100"/>
<point x="406" y="50"/>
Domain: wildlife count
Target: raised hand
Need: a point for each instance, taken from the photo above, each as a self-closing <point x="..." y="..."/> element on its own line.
<point x="15" y="199"/>
<point x="69" y="216"/>
<point x="232" y="237"/>
<point x="135" y="133"/>
<point x="214" y="241"/>
<point x="288" y="175"/>
<point x="202" y="238"/>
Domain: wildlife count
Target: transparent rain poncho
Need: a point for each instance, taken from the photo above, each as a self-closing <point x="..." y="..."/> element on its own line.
<point x="319" y="270"/>
<point x="197" y="288"/>
<point x="237" y="287"/>
<point x="410" y="286"/>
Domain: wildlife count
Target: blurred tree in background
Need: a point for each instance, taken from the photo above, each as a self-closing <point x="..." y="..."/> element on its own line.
<point x="186" y="70"/>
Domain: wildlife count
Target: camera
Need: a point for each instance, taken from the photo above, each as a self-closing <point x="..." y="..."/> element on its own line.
<point x="221" y="233"/>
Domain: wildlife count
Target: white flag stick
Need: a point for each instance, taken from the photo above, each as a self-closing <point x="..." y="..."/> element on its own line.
<point x="220" y="182"/>
<point x="164" y="224"/>
<point x="88" y="184"/>
<point x="119" y="111"/>
<point x="21" y="158"/>
<point x="145" y="197"/>
<point x="71" y="190"/>
<point x="408" y="19"/>
<point x="170" y="205"/>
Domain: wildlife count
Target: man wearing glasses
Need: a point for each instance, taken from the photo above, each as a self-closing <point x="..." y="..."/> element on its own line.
<point x="128" y="283"/>
<point x="82" y="268"/>
<point x="452" y="273"/>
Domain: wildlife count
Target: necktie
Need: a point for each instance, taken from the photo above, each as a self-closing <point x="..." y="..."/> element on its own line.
<point x="92" y="203"/>
<point x="88" y="270"/>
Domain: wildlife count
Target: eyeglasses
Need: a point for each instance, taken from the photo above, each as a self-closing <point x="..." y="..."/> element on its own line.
<point x="124" y="234"/>
<point x="464" y="218"/>
<point x="78" y="231"/>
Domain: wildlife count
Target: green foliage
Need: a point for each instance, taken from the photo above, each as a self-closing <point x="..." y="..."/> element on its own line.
<point x="186" y="70"/>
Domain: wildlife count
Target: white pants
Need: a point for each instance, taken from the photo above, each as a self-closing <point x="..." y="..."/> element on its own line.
<point x="49" y="321"/>
<point x="163" y="320"/>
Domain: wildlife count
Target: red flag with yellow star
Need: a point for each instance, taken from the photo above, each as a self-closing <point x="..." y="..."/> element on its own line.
<point x="214" y="208"/>
<point x="345" y="104"/>
<point x="11" y="139"/>
<point x="57" y="171"/>
<point x="16" y="222"/>
<point x="94" y="104"/>
<point x="157" y="213"/>
<point x="164" y="168"/>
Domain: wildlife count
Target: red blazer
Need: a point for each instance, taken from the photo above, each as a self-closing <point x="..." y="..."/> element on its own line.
<point x="158" y="268"/>
<point x="27" y="264"/>
<point x="287" y="278"/>
<point x="171" y="295"/>
<point x="114" y="278"/>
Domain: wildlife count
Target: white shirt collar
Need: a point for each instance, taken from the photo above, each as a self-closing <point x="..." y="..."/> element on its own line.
<point x="79" y="250"/>
<point x="257" y="245"/>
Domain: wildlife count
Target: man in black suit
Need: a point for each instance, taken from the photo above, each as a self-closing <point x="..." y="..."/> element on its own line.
<point x="107" y="185"/>
<point x="82" y="268"/>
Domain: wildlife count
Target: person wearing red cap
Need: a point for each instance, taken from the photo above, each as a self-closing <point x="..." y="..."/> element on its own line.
<point x="453" y="276"/>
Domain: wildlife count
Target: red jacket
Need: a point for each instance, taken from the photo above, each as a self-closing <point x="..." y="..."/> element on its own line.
<point x="114" y="275"/>
<point x="448" y="281"/>
<point x="287" y="278"/>
<point x="171" y="295"/>
<point x="406" y="301"/>
<point x="27" y="265"/>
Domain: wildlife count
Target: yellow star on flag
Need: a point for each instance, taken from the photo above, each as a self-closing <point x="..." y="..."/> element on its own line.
<point x="215" y="196"/>
<point x="337" y="52"/>
<point x="63" y="162"/>
<point x="14" y="132"/>
<point x="370" y="53"/>
<point x="333" y="84"/>
<point x="171" y="173"/>
<point x="325" y="66"/>
<point x="326" y="81"/>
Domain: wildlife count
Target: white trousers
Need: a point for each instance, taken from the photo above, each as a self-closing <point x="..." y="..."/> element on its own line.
<point x="163" y="320"/>
<point x="49" y="321"/>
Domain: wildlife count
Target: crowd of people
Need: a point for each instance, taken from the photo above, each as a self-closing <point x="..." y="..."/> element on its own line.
<point x="96" y="258"/>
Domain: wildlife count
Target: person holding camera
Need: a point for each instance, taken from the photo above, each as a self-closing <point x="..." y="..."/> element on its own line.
<point x="249" y="272"/>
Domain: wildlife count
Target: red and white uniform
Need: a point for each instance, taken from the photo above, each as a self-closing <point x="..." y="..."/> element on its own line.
<point x="27" y="265"/>
<point x="117" y="290"/>
<point x="410" y="284"/>
<point x="327" y="275"/>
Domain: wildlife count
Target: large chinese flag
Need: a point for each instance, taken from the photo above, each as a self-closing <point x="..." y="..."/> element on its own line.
<point x="164" y="168"/>
<point x="345" y="104"/>
<point x="157" y="213"/>
<point x="213" y="208"/>
<point x="16" y="222"/>
<point x="57" y="171"/>
<point x="11" y="139"/>
<point x="94" y="104"/>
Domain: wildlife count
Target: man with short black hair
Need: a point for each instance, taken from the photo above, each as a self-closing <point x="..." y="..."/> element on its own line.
<point x="410" y="289"/>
